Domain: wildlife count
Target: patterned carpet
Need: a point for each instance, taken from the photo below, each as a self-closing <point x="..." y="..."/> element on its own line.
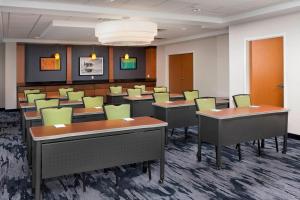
<point x="272" y="176"/>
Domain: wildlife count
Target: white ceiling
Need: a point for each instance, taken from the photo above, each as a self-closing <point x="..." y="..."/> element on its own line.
<point x="72" y="20"/>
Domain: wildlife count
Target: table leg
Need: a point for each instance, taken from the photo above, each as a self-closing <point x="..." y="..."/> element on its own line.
<point x="284" y="144"/>
<point x="38" y="173"/>
<point x="199" y="142"/>
<point x="166" y="136"/>
<point x="218" y="156"/>
<point x="162" y="157"/>
<point x="29" y="148"/>
<point x="23" y="127"/>
<point x="263" y="143"/>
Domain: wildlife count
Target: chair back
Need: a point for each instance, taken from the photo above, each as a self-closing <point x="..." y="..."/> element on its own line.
<point x="161" y="97"/>
<point x="205" y="103"/>
<point x="142" y="87"/>
<point x="53" y="116"/>
<point x="191" y="95"/>
<point x="117" y="112"/>
<point x="160" y="89"/>
<point x="115" y="89"/>
<point x="44" y="103"/>
<point x="242" y="100"/>
<point x="30" y="92"/>
<point x="75" y="96"/>
<point x="63" y="91"/>
<point x="134" y="92"/>
<point x="92" y="102"/>
<point x="31" y="97"/>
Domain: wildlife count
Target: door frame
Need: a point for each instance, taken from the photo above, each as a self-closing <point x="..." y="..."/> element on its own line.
<point x="168" y="70"/>
<point x="247" y="62"/>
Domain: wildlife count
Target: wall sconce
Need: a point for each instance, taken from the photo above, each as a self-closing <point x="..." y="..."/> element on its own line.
<point x="56" y="56"/>
<point x="126" y="56"/>
<point x="93" y="56"/>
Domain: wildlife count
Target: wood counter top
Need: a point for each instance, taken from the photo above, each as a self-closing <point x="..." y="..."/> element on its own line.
<point x="94" y="127"/>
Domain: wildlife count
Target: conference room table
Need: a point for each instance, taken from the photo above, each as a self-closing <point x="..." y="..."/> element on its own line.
<point x="116" y="99"/>
<point x="88" y="146"/>
<point x="237" y="125"/>
<point x="142" y="105"/>
<point x="182" y="113"/>
<point x="33" y="118"/>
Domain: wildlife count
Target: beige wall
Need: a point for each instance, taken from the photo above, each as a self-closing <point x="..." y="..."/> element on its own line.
<point x="210" y="64"/>
<point x="286" y="26"/>
<point x="10" y="76"/>
<point x="2" y="76"/>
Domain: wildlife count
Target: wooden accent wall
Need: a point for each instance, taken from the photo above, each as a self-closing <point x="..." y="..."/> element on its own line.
<point x="69" y="64"/>
<point x="20" y="63"/>
<point x="111" y="64"/>
<point x="151" y="63"/>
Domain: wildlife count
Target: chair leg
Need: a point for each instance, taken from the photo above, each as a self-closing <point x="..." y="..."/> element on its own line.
<point x="117" y="178"/>
<point x="173" y="130"/>
<point x="253" y="142"/>
<point x="186" y="132"/>
<point x="276" y="143"/>
<point x="149" y="170"/>
<point x="239" y="151"/>
<point x="83" y="182"/>
<point x="144" y="167"/>
<point x="258" y="146"/>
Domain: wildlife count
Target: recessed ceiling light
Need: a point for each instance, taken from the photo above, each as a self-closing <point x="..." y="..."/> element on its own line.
<point x="36" y="37"/>
<point x="196" y="9"/>
<point x="183" y="28"/>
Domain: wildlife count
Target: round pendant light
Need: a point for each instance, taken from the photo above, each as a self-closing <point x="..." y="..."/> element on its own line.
<point x="93" y="56"/>
<point x="126" y="56"/>
<point x="126" y="32"/>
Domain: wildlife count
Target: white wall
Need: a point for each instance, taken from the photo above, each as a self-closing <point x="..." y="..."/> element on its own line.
<point x="10" y="76"/>
<point x="2" y="76"/>
<point x="288" y="26"/>
<point x="210" y="64"/>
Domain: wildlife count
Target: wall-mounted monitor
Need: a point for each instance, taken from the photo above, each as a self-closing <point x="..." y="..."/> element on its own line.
<point x="50" y="64"/>
<point x="128" y="64"/>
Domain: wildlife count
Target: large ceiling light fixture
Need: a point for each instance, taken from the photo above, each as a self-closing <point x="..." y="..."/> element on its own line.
<point x="126" y="32"/>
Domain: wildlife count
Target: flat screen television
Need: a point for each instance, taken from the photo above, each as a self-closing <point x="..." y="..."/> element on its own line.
<point x="128" y="64"/>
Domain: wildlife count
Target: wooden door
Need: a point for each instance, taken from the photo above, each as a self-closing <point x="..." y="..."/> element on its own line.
<point x="180" y="72"/>
<point x="266" y="71"/>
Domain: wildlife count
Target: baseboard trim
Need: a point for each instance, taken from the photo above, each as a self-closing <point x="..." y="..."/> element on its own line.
<point x="11" y="110"/>
<point x="294" y="136"/>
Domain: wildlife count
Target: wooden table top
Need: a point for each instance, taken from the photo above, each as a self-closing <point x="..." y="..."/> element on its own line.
<point x="62" y="103"/>
<point x="242" y="112"/>
<point x="34" y="115"/>
<point x="149" y="97"/>
<point x="48" y="96"/>
<point x="181" y="103"/>
<point x="125" y="94"/>
<point x="94" y="127"/>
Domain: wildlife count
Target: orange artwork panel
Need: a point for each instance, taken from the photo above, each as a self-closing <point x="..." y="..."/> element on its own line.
<point x="50" y="64"/>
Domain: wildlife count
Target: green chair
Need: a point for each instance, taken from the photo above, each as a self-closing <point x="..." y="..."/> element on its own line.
<point x="142" y="87"/>
<point x="63" y="91"/>
<point x="53" y="116"/>
<point x="30" y="92"/>
<point x="205" y="103"/>
<point x="117" y="112"/>
<point x="75" y="96"/>
<point x="31" y="97"/>
<point x="43" y="103"/>
<point x="161" y="97"/>
<point x="92" y="102"/>
<point x="115" y="89"/>
<point x="134" y="92"/>
<point x="191" y="95"/>
<point x="242" y="100"/>
<point x="160" y="89"/>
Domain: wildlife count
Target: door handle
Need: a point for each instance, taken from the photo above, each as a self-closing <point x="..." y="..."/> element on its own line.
<point x="280" y="86"/>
